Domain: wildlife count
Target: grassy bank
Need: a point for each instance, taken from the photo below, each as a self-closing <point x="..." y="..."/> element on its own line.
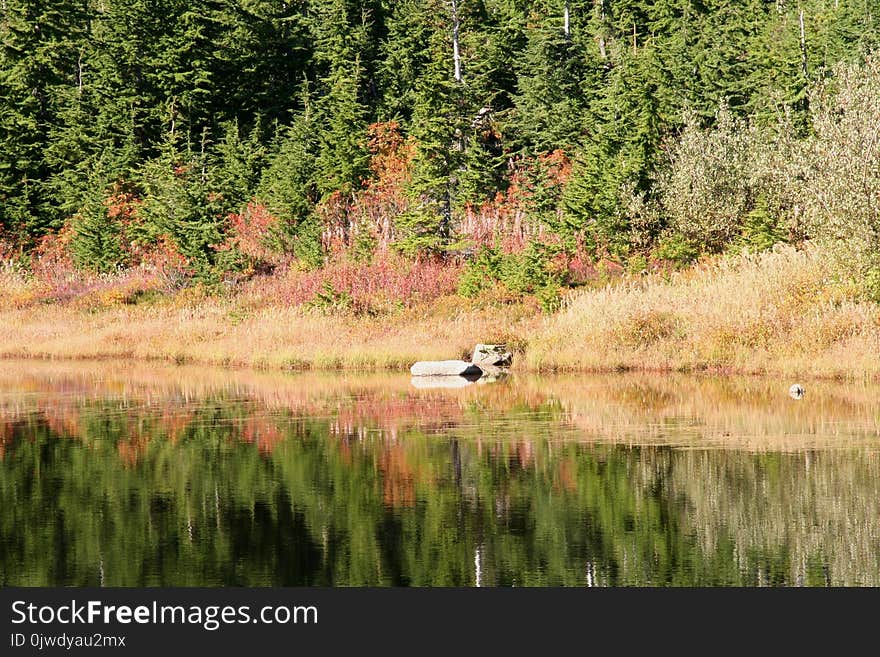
<point x="781" y="312"/>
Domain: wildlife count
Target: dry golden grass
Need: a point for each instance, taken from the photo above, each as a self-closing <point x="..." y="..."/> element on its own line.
<point x="780" y="312"/>
<point x="223" y="332"/>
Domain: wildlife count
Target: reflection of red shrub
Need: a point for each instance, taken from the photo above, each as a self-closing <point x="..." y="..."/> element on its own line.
<point x="263" y="432"/>
<point x="398" y="477"/>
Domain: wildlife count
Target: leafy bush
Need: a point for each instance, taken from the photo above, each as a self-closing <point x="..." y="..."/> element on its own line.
<point x="676" y="249"/>
<point x="842" y="188"/>
<point x="706" y="192"/>
<point x="528" y="272"/>
<point x="329" y="299"/>
<point x="733" y="184"/>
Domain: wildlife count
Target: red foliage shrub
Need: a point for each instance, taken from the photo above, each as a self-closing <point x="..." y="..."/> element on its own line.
<point x="122" y="206"/>
<point x="52" y="263"/>
<point x="390" y="281"/>
<point x="371" y="211"/>
<point x="7" y="250"/>
<point x="165" y="261"/>
<point x="251" y="233"/>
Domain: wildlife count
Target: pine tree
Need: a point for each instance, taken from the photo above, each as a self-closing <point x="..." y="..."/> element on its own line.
<point x="237" y="164"/>
<point x="617" y="161"/>
<point x="549" y="102"/>
<point x="40" y="48"/>
<point x="179" y="203"/>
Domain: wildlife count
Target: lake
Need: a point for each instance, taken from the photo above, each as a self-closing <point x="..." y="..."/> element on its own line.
<point x="120" y="474"/>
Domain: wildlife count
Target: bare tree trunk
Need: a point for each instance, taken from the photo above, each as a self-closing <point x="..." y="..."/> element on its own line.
<point x="803" y="43"/>
<point x="79" y="73"/>
<point x="567" y="21"/>
<point x="601" y="37"/>
<point x="456" y="56"/>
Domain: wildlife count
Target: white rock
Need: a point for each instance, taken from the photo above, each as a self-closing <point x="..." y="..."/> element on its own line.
<point x="796" y="391"/>
<point x="495" y="355"/>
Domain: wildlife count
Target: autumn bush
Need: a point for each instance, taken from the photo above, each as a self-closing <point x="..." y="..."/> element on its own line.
<point x="733" y="184"/>
<point x="841" y="188"/>
<point x="385" y="284"/>
<point x="738" y="185"/>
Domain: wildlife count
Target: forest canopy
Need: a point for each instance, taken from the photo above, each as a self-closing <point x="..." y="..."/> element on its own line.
<point x="230" y="135"/>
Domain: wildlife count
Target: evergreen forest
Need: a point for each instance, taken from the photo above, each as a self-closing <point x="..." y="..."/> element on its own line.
<point x="222" y="138"/>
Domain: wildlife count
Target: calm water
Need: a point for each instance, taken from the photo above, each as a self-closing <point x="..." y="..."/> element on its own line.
<point x="138" y="475"/>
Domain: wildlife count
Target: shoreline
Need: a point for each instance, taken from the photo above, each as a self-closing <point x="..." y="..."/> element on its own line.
<point x="781" y="313"/>
<point x="304" y="367"/>
<point x="367" y="358"/>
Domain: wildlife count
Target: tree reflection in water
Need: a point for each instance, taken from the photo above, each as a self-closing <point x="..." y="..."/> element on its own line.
<point x="151" y="476"/>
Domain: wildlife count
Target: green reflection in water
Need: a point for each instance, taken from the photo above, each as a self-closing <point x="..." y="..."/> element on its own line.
<point x="128" y="479"/>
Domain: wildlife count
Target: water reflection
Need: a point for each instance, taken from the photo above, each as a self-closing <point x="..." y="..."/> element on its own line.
<point x="139" y="475"/>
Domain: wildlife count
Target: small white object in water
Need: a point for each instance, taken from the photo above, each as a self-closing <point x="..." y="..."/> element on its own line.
<point x="796" y="391"/>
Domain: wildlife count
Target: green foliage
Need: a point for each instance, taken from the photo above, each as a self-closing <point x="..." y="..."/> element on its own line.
<point x="237" y="166"/>
<point x="420" y="231"/>
<point x="529" y="272"/>
<point x="272" y="101"/>
<point x="841" y="191"/>
<point x="871" y="284"/>
<point x="179" y="202"/>
<point x="287" y="185"/>
<point x="707" y="192"/>
<point x="329" y="300"/>
<point x="96" y="242"/>
<point x="307" y="246"/>
<point x="761" y="229"/>
<point x="677" y="249"/>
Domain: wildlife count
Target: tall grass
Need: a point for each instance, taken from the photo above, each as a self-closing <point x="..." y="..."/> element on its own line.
<point x="783" y="311"/>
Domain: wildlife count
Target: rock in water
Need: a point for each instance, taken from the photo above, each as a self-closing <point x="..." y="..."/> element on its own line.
<point x="493" y="355"/>
<point x="445" y="368"/>
<point x="796" y="391"/>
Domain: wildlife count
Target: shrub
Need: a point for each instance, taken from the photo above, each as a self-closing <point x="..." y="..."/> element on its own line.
<point x="329" y="299"/>
<point x="531" y="271"/>
<point x="842" y="190"/>
<point x="706" y="192"/>
<point x="385" y="284"/>
<point x="733" y="184"/>
<point x="254" y="240"/>
<point x="676" y="249"/>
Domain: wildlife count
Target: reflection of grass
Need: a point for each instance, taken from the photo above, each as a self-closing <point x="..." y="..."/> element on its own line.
<point x="688" y="410"/>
